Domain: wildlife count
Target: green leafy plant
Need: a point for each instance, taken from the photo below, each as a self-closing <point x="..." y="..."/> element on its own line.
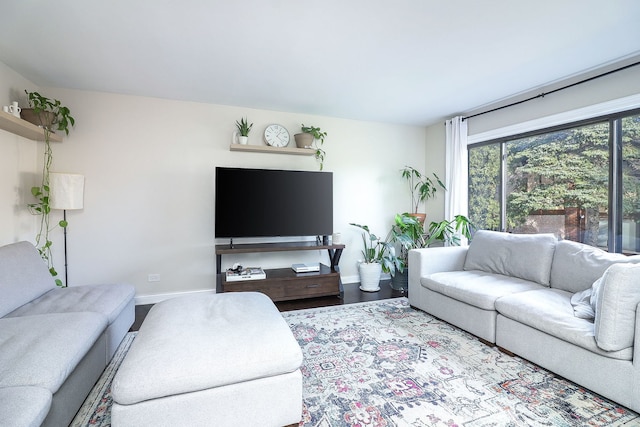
<point x="243" y="127"/>
<point x="421" y="186"/>
<point x="318" y="135"/>
<point x="377" y="250"/>
<point x="60" y="116"/>
<point x="449" y="232"/>
<point x="407" y="232"/>
<point x="51" y="112"/>
<point x="374" y="247"/>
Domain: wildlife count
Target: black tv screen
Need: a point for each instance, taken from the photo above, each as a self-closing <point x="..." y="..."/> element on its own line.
<point x="270" y="203"/>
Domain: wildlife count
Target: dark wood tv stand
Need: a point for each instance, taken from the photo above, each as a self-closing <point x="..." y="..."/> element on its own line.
<point x="284" y="284"/>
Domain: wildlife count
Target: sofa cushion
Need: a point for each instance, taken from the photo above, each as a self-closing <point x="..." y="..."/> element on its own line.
<point x="23" y="276"/>
<point x="526" y="256"/>
<point x="550" y="311"/>
<point x="108" y="300"/>
<point x="24" y="406"/>
<point x="477" y="288"/>
<point x="576" y="265"/>
<point x="43" y="350"/>
<point x="617" y="298"/>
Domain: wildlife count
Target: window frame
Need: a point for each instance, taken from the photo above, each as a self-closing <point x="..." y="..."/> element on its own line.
<point x="614" y="120"/>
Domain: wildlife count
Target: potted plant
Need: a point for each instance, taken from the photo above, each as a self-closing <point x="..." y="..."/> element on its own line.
<point x="243" y="130"/>
<point x="407" y="232"/>
<point x="422" y="188"/>
<point x="449" y="232"/>
<point x="376" y="254"/>
<point x="48" y="114"/>
<point x="312" y="137"/>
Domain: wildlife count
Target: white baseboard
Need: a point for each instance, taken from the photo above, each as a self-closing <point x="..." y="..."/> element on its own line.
<point x="153" y="299"/>
<point x="350" y="279"/>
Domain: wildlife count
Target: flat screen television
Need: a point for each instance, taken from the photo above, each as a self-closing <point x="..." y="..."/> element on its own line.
<point x="272" y="203"/>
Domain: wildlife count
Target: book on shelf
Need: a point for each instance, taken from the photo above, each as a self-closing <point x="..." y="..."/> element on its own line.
<point x="249" y="273"/>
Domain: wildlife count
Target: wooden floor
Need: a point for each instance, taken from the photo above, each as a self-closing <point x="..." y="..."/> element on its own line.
<point x="352" y="294"/>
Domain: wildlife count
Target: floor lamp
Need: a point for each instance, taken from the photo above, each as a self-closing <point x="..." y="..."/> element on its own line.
<point x="66" y="192"/>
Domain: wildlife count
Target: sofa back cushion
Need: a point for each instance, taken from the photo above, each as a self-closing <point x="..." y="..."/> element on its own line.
<point x="23" y="276"/>
<point x="576" y="265"/>
<point x="617" y="298"/>
<point x="526" y="256"/>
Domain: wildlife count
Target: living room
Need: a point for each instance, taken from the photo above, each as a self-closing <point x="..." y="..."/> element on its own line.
<point x="149" y="160"/>
<point x="149" y="167"/>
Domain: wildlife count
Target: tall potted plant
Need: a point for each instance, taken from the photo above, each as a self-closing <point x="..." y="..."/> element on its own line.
<point x="408" y="233"/>
<point x="376" y="254"/>
<point x="422" y="188"/>
<point x="51" y="115"/>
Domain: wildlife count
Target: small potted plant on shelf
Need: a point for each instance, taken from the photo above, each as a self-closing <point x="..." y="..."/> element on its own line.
<point x="50" y="114"/>
<point x="422" y="188"/>
<point x="313" y="138"/>
<point x="377" y="254"/>
<point x="242" y="134"/>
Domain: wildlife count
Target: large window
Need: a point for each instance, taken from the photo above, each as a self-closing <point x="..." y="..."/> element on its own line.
<point x="581" y="182"/>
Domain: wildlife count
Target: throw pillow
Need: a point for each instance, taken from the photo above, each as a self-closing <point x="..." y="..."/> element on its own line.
<point x="617" y="298"/>
<point x="581" y="302"/>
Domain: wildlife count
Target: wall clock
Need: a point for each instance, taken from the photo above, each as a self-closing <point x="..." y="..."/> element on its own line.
<point x="276" y="136"/>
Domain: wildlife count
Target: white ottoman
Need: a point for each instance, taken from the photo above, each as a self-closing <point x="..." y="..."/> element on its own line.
<point x="216" y="360"/>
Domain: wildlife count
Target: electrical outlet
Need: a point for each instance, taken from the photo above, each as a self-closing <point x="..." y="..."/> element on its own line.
<point x="155" y="277"/>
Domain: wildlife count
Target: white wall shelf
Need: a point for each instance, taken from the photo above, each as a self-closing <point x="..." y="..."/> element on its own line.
<point x="269" y="149"/>
<point x="17" y="126"/>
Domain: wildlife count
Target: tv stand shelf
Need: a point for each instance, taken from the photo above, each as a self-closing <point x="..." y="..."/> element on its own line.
<point x="284" y="284"/>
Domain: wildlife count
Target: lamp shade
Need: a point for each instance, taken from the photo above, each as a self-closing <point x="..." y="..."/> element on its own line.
<point x="66" y="191"/>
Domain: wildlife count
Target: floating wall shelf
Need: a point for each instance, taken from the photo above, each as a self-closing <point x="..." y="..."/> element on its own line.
<point x="15" y="125"/>
<point x="269" y="149"/>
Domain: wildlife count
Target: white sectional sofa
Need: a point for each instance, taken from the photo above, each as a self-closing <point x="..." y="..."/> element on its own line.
<point x="568" y="307"/>
<point x="54" y="342"/>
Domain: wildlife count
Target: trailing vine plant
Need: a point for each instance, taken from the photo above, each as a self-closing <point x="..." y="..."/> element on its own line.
<point x="50" y="113"/>
<point x="318" y="135"/>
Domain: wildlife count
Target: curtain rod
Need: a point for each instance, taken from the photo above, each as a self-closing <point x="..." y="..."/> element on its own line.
<point x="543" y="94"/>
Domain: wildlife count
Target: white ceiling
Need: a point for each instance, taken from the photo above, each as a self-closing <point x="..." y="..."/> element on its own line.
<point x="402" y="61"/>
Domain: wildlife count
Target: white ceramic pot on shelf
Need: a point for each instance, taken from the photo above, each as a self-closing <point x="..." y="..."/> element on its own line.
<point x="370" y="276"/>
<point x="239" y="139"/>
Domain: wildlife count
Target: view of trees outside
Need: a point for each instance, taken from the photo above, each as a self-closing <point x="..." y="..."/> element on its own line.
<point x="631" y="183"/>
<point x="562" y="174"/>
<point x="558" y="182"/>
<point x="484" y="186"/>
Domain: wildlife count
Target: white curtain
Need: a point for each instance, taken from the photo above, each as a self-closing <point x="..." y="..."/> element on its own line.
<point x="456" y="169"/>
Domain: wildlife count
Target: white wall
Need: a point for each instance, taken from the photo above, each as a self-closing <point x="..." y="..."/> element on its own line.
<point x="19" y="168"/>
<point x="608" y="88"/>
<point x="149" y="192"/>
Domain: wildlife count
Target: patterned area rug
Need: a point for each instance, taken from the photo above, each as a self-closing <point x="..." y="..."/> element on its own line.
<point x="385" y="364"/>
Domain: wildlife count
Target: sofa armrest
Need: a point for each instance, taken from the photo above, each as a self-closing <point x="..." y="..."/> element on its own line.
<point x="636" y="345"/>
<point x="424" y="262"/>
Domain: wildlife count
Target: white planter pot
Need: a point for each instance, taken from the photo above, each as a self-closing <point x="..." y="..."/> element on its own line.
<point x="370" y="276"/>
<point x="239" y="139"/>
